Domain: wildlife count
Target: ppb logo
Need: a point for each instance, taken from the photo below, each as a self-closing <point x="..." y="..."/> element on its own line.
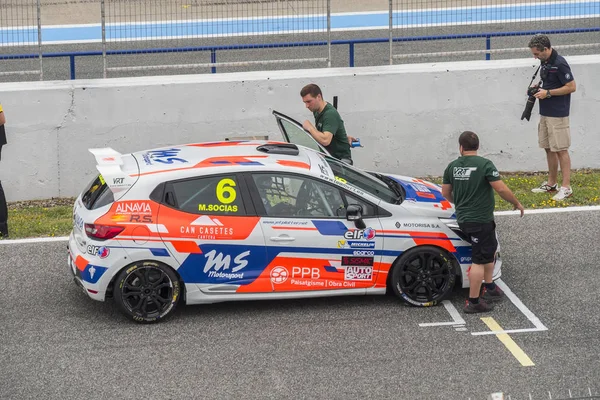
<point x="279" y="275"/>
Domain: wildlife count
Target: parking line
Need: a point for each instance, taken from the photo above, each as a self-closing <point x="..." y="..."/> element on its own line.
<point x="508" y="342"/>
<point x="456" y="318"/>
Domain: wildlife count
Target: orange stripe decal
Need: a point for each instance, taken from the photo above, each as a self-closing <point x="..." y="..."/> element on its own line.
<point x="81" y="263"/>
<point x="290" y="163"/>
<point x="293" y="228"/>
<point x="183" y="246"/>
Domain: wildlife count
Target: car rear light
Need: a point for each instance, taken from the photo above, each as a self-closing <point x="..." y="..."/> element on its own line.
<point x="102" y="232"/>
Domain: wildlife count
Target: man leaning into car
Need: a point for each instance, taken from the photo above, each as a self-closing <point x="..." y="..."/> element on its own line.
<point x="3" y="206"/>
<point x="329" y="130"/>
<point x="469" y="182"/>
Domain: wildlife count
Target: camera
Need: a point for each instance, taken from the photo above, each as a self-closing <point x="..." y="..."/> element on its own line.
<point x="531" y="91"/>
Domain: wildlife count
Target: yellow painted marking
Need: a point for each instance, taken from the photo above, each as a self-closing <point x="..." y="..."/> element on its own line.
<point x="508" y="342"/>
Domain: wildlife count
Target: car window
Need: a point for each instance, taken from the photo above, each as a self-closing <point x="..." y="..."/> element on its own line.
<point x="368" y="209"/>
<point x="215" y="195"/>
<point x="97" y="194"/>
<point x="348" y="175"/>
<point x="285" y="195"/>
<point x="297" y="135"/>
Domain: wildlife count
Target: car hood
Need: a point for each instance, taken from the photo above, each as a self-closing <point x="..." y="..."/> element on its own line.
<point x="424" y="198"/>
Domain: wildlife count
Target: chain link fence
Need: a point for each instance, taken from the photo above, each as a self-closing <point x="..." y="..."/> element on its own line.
<point x="21" y="29"/>
<point x="461" y="28"/>
<point x="239" y="26"/>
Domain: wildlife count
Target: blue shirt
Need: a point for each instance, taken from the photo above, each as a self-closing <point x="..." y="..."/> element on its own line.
<point x="555" y="74"/>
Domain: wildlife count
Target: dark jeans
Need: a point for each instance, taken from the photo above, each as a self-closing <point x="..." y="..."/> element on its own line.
<point x="3" y="213"/>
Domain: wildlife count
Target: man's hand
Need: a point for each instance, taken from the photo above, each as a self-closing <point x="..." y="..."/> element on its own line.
<point x="307" y="125"/>
<point x="541" y="94"/>
<point x="350" y="140"/>
<point x="519" y="207"/>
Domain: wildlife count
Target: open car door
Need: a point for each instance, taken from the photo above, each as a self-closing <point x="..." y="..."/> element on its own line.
<point x="293" y="132"/>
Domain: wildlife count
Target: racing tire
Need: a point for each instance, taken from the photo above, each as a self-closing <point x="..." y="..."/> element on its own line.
<point x="147" y="291"/>
<point x="423" y="276"/>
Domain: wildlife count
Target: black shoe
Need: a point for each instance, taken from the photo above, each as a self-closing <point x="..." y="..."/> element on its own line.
<point x="492" y="295"/>
<point x="482" y="306"/>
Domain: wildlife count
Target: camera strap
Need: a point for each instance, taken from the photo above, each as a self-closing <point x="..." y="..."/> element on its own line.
<point x="535" y="74"/>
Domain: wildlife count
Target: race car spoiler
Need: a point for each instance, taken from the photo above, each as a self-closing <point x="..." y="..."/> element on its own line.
<point x="115" y="169"/>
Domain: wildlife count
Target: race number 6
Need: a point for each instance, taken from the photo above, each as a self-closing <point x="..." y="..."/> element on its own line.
<point x="226" y="191"/>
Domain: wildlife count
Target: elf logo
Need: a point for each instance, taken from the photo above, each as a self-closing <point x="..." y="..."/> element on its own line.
<point x="368" y="234"/>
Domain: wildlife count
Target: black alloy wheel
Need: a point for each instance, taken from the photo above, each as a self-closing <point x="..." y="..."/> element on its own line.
<point x="423" y="276"/>
<point x="147" y="292"/>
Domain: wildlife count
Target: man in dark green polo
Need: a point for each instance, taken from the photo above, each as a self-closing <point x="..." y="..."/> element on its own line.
<point x="328" y="130"/>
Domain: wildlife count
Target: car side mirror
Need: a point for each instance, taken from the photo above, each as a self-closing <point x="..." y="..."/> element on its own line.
<point x="354" y="213"/>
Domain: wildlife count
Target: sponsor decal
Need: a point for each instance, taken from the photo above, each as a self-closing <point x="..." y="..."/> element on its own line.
<point x="285" y="222"/>
<point x="357" y="261"/>
<point x="463" y="173"/>
<point x="419" y="187"/>
<point x="363" y="253"/>
<point x="78" y="221"/>
<point x="305" y="272"/>
<point x="133" y="207"/>
<point x="100" y="251"/>
<point x="118" y="181"/>
<point x="357" y="273"/>
<point x="208" y="228"/>
<point x="339" y="284"/>
<point x="465" y="260"/>
<point x="145" y="219"/>
<point x="168" y="156"/>
<point x="343" y="244"/>
<point x="279" y="275"/>
<point x="367" y="234"/>
<point x="217" y="208"/>
<point x="418" y="225"/>
<point x="218" y="265"/>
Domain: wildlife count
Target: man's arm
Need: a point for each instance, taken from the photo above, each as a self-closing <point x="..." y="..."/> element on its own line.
<point x="324" y="138"/>
<point x="568" y="88"/>
<point x="447" y="192"/>
<point x="503" y="191"/>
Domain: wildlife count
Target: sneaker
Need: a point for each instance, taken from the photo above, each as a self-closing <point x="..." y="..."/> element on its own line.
<point x="492" y="295"/>
<point x="482" y="306"/>
<point x="545" y="188"/>
<point x="562" y="194"/>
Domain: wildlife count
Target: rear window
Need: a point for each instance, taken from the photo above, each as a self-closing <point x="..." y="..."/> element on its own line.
<point x="97" y="194"/>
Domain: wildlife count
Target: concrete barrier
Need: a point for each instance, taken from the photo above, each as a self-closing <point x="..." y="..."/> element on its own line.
<point x="408" y="117"/>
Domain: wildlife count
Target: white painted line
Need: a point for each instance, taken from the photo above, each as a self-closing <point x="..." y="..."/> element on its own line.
<point x="539" y="327"/>
<point x="456" y="318"/>
<point x="34" y="240"/>
<point x="550" y="210"/>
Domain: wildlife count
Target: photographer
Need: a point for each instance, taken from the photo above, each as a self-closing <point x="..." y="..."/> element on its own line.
<point x="554" y="135"/>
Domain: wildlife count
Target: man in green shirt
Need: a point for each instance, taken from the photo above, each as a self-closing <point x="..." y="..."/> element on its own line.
<point x="328" y="130"/>
<point x="469" y="182"/>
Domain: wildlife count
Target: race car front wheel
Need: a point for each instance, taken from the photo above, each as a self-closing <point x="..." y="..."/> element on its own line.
<point x="147" y="292"/>
<point x="423" y="276"/>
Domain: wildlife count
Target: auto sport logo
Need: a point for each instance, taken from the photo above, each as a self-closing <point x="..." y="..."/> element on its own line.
<point x="279" y="275"/>
<point x="368" y="234"/>
<point x="356" y="273"/>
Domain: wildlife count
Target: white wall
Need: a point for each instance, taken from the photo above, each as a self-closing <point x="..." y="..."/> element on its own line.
<point x="408" y="117"/>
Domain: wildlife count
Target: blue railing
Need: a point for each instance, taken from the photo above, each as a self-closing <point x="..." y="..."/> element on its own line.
<point x="351" y="43"/>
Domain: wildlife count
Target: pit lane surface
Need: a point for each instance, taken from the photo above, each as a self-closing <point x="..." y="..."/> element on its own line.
<point x="56" y="343"/>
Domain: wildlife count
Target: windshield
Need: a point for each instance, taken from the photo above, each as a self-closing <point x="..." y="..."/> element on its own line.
<point x="386" y="191"/>
<point x="294" y="133"/>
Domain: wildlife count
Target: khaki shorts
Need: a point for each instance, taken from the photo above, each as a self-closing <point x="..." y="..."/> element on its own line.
<point x="554" y="133"/>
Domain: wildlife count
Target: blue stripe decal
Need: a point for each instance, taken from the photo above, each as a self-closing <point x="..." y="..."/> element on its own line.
<point x="160" y="252"/>
<point x="330" y="228"/>
<point x="241" y="265"/>
<point x="418" y="237"/>
<point x="312" y="23"/>
<point x="330" y="268"/>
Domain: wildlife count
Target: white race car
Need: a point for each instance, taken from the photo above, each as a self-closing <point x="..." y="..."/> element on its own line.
<point x="248" y="220"/>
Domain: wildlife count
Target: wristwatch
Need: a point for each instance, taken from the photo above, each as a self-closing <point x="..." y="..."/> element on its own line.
<point x="548" y="95"/>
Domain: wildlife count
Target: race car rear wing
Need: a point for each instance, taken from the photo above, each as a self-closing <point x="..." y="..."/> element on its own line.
<point x="116" y="169"/>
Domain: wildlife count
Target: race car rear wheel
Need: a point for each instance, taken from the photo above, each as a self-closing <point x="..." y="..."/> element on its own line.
<point x="147" y="292"/>
<point x="423" y="276"/>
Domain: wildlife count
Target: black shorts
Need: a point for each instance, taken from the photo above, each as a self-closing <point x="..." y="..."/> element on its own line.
<point x="482" y="237"/>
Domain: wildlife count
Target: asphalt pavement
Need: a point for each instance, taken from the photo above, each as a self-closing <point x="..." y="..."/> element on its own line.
<point x="55" y="343"/>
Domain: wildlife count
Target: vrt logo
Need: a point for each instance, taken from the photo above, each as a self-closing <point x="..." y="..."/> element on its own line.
<point x="118" y="181"/>
<point x="463" y="172"/>
<point x="217" y="262"/>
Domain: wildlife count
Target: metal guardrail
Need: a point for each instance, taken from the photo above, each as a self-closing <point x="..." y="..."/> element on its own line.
<point x="351" y="43"/>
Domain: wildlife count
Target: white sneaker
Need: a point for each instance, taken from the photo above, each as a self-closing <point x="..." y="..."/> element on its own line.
<point x="545" y="188"/>
<point x="562" y="194"/>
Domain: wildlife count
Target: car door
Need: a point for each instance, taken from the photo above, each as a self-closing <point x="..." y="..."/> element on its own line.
<point x="293" y="132"/>
<point x="310" y="244"/>
<point x="212" y="230"/>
